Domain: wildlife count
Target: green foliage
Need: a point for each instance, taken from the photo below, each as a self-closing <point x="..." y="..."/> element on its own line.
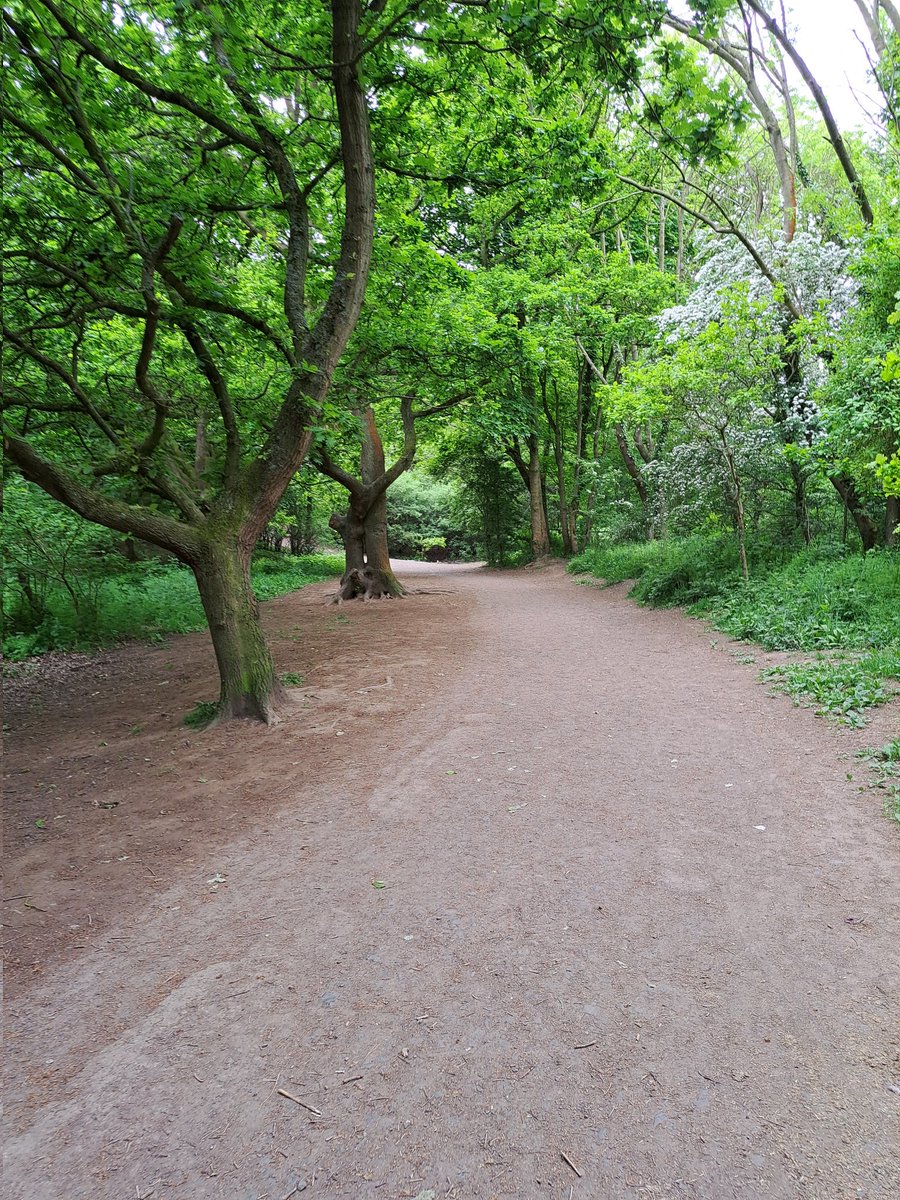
<point x="490" y="503"/>
<point x="203" y="712"/>
<point x="884" y="763"/>
<point x="842" y="689"/>
<point x="673" y="571"/>
<point x="48" y="550"/>
<point x="291" y="679"/>
<point x="819" y="598"/>
<point x="616" y="563"/>
<point x="145" y="601"/>
<point x="816" y="601"/>
<point x="424" y="512"/>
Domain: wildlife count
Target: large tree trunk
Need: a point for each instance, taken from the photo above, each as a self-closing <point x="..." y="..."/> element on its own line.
<point x="249" y="687"/>
<point x="352" y="530"/>
<point x="378" y="558"/>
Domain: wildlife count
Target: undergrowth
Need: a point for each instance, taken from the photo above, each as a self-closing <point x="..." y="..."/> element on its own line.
<point x="819" y="599"/>
<point x="884" y="763"/>
<point x="841" y="689"/>
<point x="203" y="712"/>
<point x="146" y="601"/>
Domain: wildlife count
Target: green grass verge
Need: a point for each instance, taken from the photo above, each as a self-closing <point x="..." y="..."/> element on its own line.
<point x="884" y="763"/>
<point x="842" y="689"/>
<point x="818" y="599"/>
<point x="150" y="601"/>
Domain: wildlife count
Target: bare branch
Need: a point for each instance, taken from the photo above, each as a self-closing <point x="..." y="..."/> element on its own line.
<point x="834" y="133"/>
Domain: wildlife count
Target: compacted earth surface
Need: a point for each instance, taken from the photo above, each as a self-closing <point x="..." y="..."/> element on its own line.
<point x="532" y="893"/>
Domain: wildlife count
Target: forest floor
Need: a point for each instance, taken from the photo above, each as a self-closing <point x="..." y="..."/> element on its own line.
<point x="536" y="893"/>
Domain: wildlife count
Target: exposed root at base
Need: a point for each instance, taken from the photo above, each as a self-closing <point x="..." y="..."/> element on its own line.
<point x="368" y="583"/>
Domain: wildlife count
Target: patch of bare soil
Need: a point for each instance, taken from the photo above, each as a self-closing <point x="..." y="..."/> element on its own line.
<point x="534" y="893"/>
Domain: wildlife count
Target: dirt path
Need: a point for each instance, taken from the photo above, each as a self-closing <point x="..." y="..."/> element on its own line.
<point x="637" y="935"/>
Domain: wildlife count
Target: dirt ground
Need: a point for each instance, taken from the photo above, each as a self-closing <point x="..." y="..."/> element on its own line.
<point x="534" y="894"/>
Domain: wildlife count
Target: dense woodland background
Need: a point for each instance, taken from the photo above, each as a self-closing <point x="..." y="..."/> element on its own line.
<point x="477" y="280"/>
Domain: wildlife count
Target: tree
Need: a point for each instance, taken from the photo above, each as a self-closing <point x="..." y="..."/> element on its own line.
<point x="165" y="199"/>
<point x="719" y="380"/>
<point x="363" y="529"/>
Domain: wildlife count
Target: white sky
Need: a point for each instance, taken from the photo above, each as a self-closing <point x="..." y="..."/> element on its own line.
<point x="826" y="39"/>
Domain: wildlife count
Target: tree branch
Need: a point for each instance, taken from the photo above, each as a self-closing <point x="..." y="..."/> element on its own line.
<point x="170" y="96"/>
<point x="834" y="133"/>
<point x="157" y="528"/>
<point x="731" y="229"/>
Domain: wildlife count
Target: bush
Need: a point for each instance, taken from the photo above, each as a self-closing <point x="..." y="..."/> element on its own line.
<point x="815" y="602"/>
<point x="422" y="513"/>
<point x="677" y="571"/>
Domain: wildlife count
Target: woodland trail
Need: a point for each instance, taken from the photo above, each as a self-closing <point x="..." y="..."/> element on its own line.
<point x="637" y="936"/>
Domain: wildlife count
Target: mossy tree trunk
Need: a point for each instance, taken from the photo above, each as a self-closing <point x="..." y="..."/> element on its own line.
<point x="378" y="556"/>
<point x="249" y="686"/>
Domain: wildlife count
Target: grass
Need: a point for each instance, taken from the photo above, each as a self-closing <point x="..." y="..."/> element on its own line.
<point x="201" y="714"/>
<point x="816" y="600"/>
<point x="884" y="763"/>
<point x="842" y="689"/>
<point x="148" y="602"/>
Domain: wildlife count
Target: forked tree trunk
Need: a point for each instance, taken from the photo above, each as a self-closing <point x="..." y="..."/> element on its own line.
<point x="352" y="531"/>
<point x="249" y="686"/>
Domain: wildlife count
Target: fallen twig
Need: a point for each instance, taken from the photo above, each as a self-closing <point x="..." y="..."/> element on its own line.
<point x="585" y="1045"/>
<point x="297" y="1100"/>
<point x="569" y="1162"/>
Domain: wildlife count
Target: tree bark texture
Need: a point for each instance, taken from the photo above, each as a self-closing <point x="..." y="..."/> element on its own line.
<point x="378" y="558"/>
<point x="248" y="684"/>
